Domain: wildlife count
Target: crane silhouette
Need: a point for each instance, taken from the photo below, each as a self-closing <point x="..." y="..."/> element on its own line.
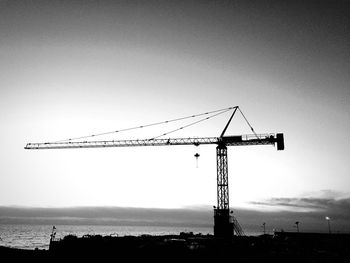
<point x="225" y="224"/>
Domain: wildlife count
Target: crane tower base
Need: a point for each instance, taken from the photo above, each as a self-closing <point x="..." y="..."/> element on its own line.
<point x="223" y="225"/>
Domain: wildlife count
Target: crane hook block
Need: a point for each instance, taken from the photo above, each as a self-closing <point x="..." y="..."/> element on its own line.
<point x="280" y="141"/>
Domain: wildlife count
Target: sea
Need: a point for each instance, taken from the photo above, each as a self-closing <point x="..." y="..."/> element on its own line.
<point x="38" y="236"/>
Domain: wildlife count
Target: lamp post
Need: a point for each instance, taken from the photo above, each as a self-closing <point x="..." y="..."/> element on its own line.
<point x="329" y="224"/>
<point x="263" y="225"/>
<point x="297" y="225"/>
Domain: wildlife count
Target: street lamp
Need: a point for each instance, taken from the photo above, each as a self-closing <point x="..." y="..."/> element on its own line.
<point x="263" y="225"/>
<point x="329" y="224"/>
<point x="297" y="225"/>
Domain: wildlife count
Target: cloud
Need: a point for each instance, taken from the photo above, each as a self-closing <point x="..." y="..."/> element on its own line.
<point x="330" y="205"/>
<point x="289" y="203"/>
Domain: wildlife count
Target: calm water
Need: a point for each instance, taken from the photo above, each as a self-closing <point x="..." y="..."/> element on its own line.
<point x="38" y="236"/>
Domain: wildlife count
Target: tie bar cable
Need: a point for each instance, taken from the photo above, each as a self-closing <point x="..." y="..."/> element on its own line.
<point x="147" y="125"/>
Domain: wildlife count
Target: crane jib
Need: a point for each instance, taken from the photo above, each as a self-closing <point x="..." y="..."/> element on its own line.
<point x="238" y="140"/>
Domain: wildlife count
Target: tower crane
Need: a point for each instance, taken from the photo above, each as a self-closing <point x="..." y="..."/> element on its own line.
<point x="225" y="225"/>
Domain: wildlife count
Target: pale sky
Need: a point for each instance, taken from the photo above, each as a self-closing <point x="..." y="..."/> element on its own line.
<point x="75" y="68"/>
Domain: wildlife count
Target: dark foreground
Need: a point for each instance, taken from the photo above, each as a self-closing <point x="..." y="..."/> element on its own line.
<point x="282" y="247"/>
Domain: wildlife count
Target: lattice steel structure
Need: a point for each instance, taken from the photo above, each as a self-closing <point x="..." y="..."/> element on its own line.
<point x="222" y="177"/>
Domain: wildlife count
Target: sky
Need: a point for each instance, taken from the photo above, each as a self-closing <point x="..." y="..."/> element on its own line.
<point x="76" y="68"/>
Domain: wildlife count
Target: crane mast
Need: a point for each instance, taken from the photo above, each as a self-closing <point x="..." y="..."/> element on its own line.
<point x="224" y="223"/>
